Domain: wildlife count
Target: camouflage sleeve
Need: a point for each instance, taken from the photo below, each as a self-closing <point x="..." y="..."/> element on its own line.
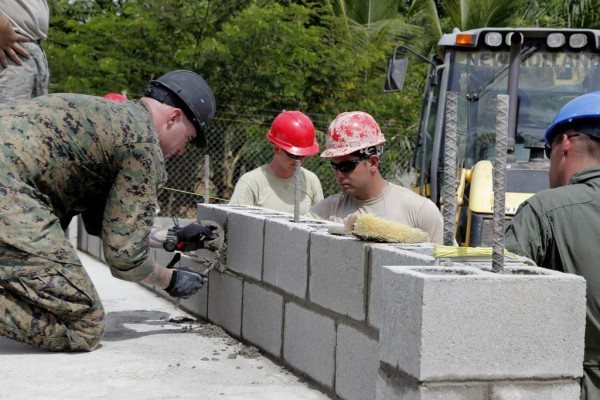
<point x="129" y="212"/>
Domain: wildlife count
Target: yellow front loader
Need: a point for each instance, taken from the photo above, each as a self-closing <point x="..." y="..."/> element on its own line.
<point x="534" y="71"/>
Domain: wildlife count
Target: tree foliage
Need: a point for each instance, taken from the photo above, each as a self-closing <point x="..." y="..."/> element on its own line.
<point x="262" y="56"/>
<point x="441" y="16"/>
<point x="567" y="13"/>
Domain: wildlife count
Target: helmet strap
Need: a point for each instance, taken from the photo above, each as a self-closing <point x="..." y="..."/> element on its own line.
<point x="588" y="128"/>
<point x="369" y="151"/>
<point x="159" y="94"/>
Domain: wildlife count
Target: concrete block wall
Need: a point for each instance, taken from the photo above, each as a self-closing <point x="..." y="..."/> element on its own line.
<point x="513" y="335"/>
<point x="331" y="309"/>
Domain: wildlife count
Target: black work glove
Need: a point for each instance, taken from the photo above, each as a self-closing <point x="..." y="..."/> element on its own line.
<point x="216" y="241"/>
<point x="192" y="237"/>
<point x="199" y="235"/>
<point x="185" y="282"/>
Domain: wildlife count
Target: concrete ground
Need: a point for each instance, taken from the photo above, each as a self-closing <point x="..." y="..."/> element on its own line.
<point x="150" y="351"/>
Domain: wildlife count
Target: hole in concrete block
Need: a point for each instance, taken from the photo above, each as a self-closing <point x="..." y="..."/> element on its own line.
<point x="309" y="223"/>
<point x="268" y="215"/>
<point x="237" y="207"/>
<point x="524" y="271"/>
<point x="443" y="271"/>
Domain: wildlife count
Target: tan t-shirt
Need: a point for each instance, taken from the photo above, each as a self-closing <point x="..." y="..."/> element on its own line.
<point x="28" y="17"/>
<point x="395" y="203"/>
<point x="262" y="188"/>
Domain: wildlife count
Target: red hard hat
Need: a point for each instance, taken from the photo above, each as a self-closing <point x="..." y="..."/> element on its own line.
<point x="294" y="132"/>
<point x="351" y="131"/>
<point x="115" y="97"/>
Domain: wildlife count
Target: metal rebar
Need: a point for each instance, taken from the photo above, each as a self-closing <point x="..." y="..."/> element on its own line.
<point x="297" y="186"/>
<point x="449" y="194"/>
<point x="500" y="183"/>
<point x="206" y="178"/>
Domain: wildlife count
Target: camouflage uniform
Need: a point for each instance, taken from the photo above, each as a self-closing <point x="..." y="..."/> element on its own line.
<point x="62" y="155"/>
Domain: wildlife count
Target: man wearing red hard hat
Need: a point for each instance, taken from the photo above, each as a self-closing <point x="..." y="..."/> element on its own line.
<point x="272" y="185"/>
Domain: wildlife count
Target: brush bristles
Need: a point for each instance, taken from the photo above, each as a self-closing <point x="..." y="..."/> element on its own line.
<point x="369" y="227"/>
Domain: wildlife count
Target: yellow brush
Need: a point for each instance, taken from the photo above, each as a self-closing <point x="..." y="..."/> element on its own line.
<point x="369" y="227"/>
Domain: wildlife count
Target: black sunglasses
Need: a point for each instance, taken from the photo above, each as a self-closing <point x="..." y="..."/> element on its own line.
<point x="293" y="156"/>
<point x="346" y="166"/>
<point x="548" y="147"/>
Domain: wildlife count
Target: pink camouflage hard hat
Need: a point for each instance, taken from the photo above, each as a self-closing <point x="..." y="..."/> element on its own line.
<point x="350" y="132"/>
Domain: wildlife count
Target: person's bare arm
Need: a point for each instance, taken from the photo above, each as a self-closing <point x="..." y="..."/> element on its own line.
<point x="9" y="43"/>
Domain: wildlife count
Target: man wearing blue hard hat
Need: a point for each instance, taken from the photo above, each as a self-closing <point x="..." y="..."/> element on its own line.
<point x="559" y="228"/>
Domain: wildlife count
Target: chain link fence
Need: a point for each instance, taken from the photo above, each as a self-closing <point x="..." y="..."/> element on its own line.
<point x="237" y="144"/>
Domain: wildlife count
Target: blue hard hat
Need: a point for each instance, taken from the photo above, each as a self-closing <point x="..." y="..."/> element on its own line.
<point x="190" y="92"/>
<point x="579" y="110"/>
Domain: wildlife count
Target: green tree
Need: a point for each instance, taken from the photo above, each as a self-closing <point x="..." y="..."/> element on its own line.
<point x="437" y="17"/>
<point x="272" y="58"/>
<point x="568" y="13"/>
<point x="260" y="57"/>
<point x="97" y="47"/>
<point x="378" y="25"/>
<point x="299" y="57"/>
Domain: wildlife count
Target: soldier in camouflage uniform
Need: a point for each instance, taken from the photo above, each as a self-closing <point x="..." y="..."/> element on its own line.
<point x="63" y="155"/>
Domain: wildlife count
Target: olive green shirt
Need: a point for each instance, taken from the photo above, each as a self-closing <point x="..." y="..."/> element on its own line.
<point x="67" y="154"/>
<point x="559" y="229"/>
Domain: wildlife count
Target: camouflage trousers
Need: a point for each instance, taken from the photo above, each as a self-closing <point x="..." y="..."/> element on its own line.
<point x="590" y="383"/>
<point x="22" y="82"/>
<point x="48" y="305"/>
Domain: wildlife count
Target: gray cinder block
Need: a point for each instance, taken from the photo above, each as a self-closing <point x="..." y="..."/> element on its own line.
<point x="309" y="343"/>
<point x="390" y="254"/>
<point x="102" y="258"/>
<point x="225" y="301"/>
<point x="82" y="235"/>
<point x="394" y="387"/>
<point x="163" y="257"/>
<point x="547" y="390"/>
<point x="338" y="273"/>
<point x="245" y="237"/>
<point x="465" y="323"/>
<point x="198" y="303"/>
<point x="286" y="255"/>
<point x="213" y="212"/>
<point x="357" y="362"/>
<point x="93" y="246"/>
<point x="262" y="321"/>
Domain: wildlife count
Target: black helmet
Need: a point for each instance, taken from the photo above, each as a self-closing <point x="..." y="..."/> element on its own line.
<point x="188" y="91"/>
